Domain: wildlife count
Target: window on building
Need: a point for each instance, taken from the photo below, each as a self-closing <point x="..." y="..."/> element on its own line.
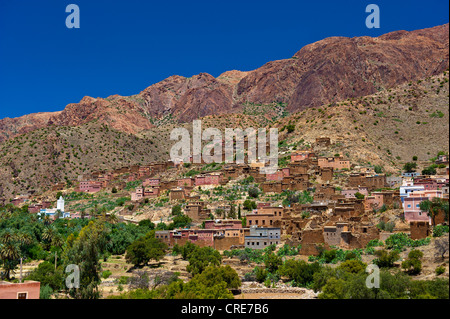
<point x="22" y="295"/>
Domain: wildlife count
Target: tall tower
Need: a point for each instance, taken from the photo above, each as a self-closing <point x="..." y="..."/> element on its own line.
<point x="60" y="204"/>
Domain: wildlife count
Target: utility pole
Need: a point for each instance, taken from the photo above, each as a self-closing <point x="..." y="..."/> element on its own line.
<point x="20" y="278"/>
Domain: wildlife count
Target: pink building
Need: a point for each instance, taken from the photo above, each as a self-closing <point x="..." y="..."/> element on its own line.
<point x="411" y="204"/>
<point x="336" y="163"/>
<point x="300" y="156"/>
<point x="199" y="180"/>
<point x="189" y="182"/>
<point x="208" y="179"/>
<point x="151" y="192"/>
<point x="223" y="224"/>
<point x="278" y="176"/>
<point x="26" y="290"/>
<point x="350" y="193"/>
<point x="151" y="182"/>
<point x="90" y="186"/>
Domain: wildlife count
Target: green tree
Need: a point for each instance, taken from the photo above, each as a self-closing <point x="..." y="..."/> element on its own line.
<point x="249" y="205"/>
<point x="386" y="258"/>
<point x="272" y="262"/>
<point x="430" y="170"/>
<point x="253" y="192"/>
<point x="413" y="264"/>
<point x="85" y="251"/>
<point x="144" y="249"/>
<point x="409" y="167"/>
<point x="358" y="195"/>
<point x="201" y="258"/>
<point x="176" y="210"/>
<point x="434" y="207"/>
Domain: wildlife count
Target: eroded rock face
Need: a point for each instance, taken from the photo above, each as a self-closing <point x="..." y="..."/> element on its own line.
<point x="361" y="66"/>
<point x="323" y="72"/>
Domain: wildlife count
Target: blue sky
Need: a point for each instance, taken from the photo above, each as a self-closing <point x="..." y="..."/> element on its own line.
<point x="122" y="47"/>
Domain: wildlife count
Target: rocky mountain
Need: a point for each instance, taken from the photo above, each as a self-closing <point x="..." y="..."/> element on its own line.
<point x="324" y="72"/>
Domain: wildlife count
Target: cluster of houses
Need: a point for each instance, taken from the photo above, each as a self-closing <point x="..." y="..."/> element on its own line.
<point x="336" y="217"/>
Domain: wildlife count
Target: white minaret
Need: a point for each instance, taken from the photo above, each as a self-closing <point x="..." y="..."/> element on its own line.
<point x="60" y="204"/>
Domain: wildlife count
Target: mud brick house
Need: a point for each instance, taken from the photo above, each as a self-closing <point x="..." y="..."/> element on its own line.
<point x="58" y="187"/>
<point x="159" y="167"/>
<point x="349" y="207"/>
<point x="272" y="187"/>
<point x="391" y="199"/>
<point x="299" y="183"/>
<point x="151" y="182"/>
<point x="26" y="290"/>
<point x="260" y="238"/>
<point x="299" y="156"/>
<point x="337" y="163"/>
<point x="188" y="181"/>
<point x="350" y="192"/>
<point x="223" y="224"/>
<point x="278" y="176"/>
<point x="431" y="183"/>
<point x="152" y="192"/>
<point x="261" y="205"/>
<point x="419" y="229"/>
<point x="132" y="177"/>
<point x="231" y="172"/>
<point x="177" y="194"/>
<point x="324" y="192"/>
<point x="138" y="194"/>
<point x="326" y="174"/>
<point x="323" y="141"/>
<point x="265" y="216"/>
<point x="197" y="211"/>
<point x="298" y="168"/>
<point x="220" y="236"/>
<point x="208" y="179"/>
<point x="442" y="159"/>
<point x="18" y="200"/>
<point x="348" y="236"/>
<point x="36" y="208"/>
<point x="372" y="182"/>
<point x="90" y="186"/>
<point x="167" y="185"/>
<point x="315" y="208"/>
<point x="311" y="239"/>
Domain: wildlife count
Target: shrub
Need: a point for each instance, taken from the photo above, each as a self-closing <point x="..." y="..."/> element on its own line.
<point x="440" y="230"/>
<point x="290" y="128"/>
<point x="385" y="258"/>
<point x="106" y="274"/>
<point x="413" y="264"/>
<point x="439" y="270"/>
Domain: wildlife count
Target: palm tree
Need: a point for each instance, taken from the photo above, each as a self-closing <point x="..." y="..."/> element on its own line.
<point x="113" y="218"/>
<point x="9" y="254"/>
<point x="48" y="235"/>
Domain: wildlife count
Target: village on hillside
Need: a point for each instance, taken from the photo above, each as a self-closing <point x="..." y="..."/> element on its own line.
<point x="315" y="202"/>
